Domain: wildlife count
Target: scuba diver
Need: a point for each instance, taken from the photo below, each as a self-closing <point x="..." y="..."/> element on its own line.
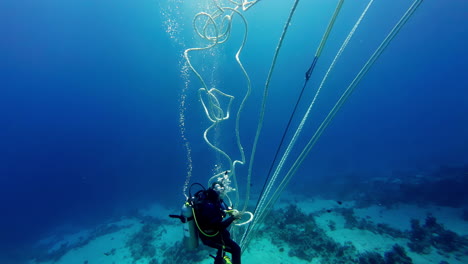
<point x="206" y="216"/>
<point x="213" y="218"/>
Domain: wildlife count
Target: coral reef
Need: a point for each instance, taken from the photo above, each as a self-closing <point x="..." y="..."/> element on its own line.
<point x="444" y="186"/>
<point x="351" y="222"/>
<point x="465" y="215"/>
<point x="397" y="256"/>
<point x="433" y="234"/>
<point x="49" y="252"/>
<point x="305" y="238"/>
<point x="307" y="241"/>
<point x="350" y="219"/>
<point x="141" y="244"/>
<point x="420" y="238"/>
<point x="153" y="261"/>
<point x="370" y="258"/>
<point x="177" y="253"/>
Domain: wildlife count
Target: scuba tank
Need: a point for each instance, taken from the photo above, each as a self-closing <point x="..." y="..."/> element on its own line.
<point x="188" y="220"/>
<point x="190" y="230"/>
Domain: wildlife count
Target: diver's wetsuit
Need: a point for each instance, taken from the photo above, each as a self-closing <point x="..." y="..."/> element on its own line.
<point x="212" y="218"/>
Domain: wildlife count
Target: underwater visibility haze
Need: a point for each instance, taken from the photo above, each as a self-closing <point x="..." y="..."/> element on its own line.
<point x="110" y="110"/>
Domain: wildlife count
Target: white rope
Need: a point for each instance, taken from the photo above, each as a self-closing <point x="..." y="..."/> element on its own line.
<point x="216" y="29"/>
<point x="264" y="203"/>
<point x="337" y="106"/>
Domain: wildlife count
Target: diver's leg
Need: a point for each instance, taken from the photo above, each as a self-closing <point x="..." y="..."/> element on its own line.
<point x="235" y="251"/>
<point x="215" y="242"/>
<point x="219" y="258"/>
<point x="232" y="247"/>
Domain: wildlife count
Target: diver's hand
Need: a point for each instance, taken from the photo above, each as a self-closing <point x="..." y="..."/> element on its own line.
<point x="236" y="214"/>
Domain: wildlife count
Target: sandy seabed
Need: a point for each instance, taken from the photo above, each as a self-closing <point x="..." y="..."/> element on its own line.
<point x="112" y="246"/>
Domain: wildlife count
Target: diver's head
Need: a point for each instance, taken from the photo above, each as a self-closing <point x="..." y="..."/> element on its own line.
<point x="218" y="187"/>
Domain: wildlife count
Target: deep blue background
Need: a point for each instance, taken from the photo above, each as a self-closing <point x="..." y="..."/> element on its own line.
<point x="88" y="112"/>
<point x="90" y="91"/>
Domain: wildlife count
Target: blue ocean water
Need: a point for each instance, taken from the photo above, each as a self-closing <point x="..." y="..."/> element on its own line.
<point x="91" y="92"/>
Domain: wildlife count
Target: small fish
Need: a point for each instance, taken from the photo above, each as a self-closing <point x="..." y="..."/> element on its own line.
<point x="329" y="211"/>
<point x="339" y="202"/>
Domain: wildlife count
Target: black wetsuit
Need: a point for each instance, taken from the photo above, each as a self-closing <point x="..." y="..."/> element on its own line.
<point x="213" y="220"/>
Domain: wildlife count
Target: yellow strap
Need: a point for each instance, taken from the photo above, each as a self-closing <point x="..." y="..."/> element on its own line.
<point x="199" y="229"/>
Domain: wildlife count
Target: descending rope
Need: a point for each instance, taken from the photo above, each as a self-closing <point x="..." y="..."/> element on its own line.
<point x="339" y="104"/>
<point x="263" y="204"/>
<point x="307" y="77"/>
<point x="344" y="97"/>
<point x="323" y="41"/>
<point x="265" y="94"/>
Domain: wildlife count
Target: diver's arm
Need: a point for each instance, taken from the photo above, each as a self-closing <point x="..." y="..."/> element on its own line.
<point x="226" y="222"/>
<point x="224" y="205"/>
